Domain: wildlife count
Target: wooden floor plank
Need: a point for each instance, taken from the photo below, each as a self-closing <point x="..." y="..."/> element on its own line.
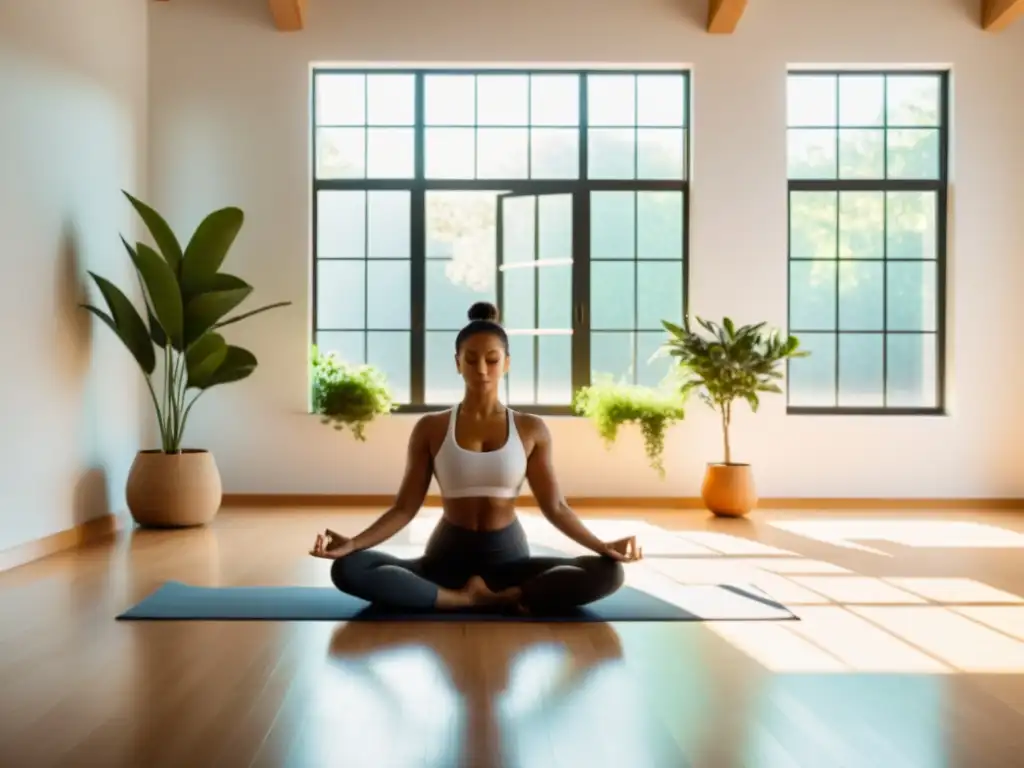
<point x="910" y="652"/>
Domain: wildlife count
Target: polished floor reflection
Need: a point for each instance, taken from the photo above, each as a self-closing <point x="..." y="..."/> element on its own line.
<point x="909" y="652"/>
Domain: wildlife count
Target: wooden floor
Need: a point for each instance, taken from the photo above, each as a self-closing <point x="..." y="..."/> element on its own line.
<point x="910" y="652"/>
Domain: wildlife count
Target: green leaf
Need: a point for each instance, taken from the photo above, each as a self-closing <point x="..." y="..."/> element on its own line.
<point x="162" y="286"/>
<point x="244" y="315"/>
<point x="203" y="358"/>
<point x="674" y="329"/>
<point x="208" y="248"/>
<point x="128" y="324"/>
<point x="224" y="281"/>
<point x="162" y="234"/>
<point x="156" y="333"/>
<point x="730" y="362"/>
<point x="107" y="319"/>
<point x="203" y="312"/>
<point x="238" y="364"/>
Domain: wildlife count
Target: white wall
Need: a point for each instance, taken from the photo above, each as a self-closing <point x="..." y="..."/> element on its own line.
<point x="230" y="124"/>
<point x="72" y="134"/>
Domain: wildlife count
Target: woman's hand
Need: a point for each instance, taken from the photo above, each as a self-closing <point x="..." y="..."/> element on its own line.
<point x="331" y="546"/>
<point x="624" y="550"/>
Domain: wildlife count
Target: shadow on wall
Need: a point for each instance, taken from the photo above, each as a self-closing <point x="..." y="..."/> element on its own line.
<point x="73" y="328"/>
<point x="73" y="345"/>
<point x="91" y="498"/>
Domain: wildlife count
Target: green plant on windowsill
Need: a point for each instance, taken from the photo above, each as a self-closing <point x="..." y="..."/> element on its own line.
<point x="348" y="395"/>
<point x="609" y="405"/>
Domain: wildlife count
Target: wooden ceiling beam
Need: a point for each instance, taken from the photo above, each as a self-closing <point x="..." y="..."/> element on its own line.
<point x="997" y="15"/>
<point x="725" y="15"/>
<point x="289" y="15"/>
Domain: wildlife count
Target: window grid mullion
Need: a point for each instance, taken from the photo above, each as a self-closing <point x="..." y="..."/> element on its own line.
<point x="885" y="186"/>
<point x="418" y="185"/>
<point x="417" y="250"/>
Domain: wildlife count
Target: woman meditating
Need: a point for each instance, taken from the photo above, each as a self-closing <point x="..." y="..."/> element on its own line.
<point x="477" y="556"/>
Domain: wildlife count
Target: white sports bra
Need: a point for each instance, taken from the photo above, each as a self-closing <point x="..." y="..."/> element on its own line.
<point x="489" y="474"/>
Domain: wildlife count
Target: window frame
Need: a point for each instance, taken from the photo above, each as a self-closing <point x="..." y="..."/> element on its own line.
<point x="579" y="188"/>
<point x="939" y="186"/>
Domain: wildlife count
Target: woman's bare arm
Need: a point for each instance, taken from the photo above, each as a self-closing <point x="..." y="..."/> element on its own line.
<point x="540" y="473"/>
<point x="411" y="493"/>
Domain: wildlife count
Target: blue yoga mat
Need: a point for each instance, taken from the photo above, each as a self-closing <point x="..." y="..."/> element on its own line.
<point x="704" y="602"/>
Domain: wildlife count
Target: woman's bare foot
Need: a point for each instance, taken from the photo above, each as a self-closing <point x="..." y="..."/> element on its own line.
<point x="475" y="594"/>
<point x="480" y="594"/>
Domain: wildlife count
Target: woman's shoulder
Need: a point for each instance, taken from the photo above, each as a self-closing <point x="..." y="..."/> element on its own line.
<point x="529" y="424"/>
<point x="430" y="425"/>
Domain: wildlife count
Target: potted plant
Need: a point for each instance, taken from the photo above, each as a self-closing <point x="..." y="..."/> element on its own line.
<point x="609" y="405"/>
<point x="348" y="395"/>
<point x="731" y="364"/>
<point x="187" y="298"/>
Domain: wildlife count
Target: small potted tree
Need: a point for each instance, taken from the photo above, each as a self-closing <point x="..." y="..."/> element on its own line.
<point x="730" y="364"/>
<point x="347" y="395"/>
<point x="609" y="405"/>
<point x="178" y="343"/>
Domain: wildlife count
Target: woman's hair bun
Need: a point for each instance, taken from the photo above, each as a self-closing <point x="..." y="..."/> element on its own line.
<point x="483" y="310"/>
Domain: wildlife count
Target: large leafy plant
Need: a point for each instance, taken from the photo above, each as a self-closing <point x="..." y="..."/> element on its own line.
<point x="729" y="364"/>
<point x="187" y="299"/>
<point x="609" y="405"/>
<point x="348" y="395"/>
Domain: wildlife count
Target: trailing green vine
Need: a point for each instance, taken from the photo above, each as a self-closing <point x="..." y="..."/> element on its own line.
<point x="348" y="395"/>
<point x="609" y="405"/>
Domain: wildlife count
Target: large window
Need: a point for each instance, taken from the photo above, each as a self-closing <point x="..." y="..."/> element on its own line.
<point x="560" y="196"/>
<point x="867" y="168"/>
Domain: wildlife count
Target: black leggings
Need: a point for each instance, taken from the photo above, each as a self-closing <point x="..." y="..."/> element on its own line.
<point x="501" y="558"/>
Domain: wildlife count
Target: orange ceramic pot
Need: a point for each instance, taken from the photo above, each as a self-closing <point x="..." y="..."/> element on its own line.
<point x="728" y="489"/>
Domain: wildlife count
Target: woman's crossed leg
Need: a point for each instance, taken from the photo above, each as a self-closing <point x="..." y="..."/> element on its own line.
<point x="541" y="585"/>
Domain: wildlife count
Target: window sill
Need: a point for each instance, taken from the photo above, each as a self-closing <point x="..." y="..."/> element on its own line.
<point x="819" y="411"/>
<point x="537" y="410"/>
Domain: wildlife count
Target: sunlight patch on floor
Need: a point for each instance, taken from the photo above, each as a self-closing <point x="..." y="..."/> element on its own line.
<point x="777" y="648"/>
<point x="1007" y="619"/>
<point x="857" y="589"/>
<point x="925" y="638"/>
<point x="917" y="534"/>
<point x="955" y="590"/>
<point x="850" y="623"/>
<point x="705" y="571"/>
<point x="827" y="639"/>
<point x="965" y="645"/>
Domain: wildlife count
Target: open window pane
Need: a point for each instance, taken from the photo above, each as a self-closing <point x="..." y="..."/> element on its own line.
<point x="535" y="254"/>
<point x="554" y="370"/>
